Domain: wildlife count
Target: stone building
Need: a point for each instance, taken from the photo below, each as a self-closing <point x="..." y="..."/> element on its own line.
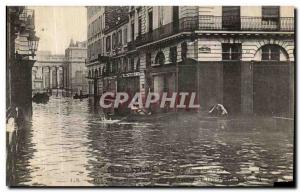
<point x="21" y="45"/>
<point x="74" y="69"/>
<point x="47" y="72"/>
<point x="239" y="56"/>
<point x="107" y="43"/>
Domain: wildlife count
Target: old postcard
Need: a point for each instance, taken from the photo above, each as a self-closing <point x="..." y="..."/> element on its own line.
<point x="168" y="96"/>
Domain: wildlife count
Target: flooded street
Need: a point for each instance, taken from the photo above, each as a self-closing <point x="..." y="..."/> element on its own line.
<point x="67" y="144"/>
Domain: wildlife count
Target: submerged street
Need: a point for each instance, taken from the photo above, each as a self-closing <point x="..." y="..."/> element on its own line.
<point x="68" y="143"/>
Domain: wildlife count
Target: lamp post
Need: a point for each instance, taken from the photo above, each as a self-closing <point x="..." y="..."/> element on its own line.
<point x="33" y="42"/>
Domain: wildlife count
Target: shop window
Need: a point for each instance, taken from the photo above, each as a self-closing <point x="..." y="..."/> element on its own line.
<point x="270" y="52"/>
<point x="231" y="51"/>
<point x="160" y="58"/>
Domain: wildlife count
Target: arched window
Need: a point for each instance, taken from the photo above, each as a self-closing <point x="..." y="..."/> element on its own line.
<point x="160" y="58"/>
<point x="90" y="73"/>
<point x="270" y="52"/>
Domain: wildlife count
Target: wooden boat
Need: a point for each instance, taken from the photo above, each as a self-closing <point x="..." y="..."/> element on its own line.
<point x="80" y="96"/>
<point x="40" y="98"/>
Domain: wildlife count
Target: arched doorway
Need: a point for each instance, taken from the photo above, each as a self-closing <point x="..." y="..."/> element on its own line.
<point x="271" y="81"/>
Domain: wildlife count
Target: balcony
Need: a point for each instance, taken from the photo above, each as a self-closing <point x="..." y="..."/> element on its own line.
<point x="27" y="19"/>
<point x="217" y="23"/>
<point x="245" y="23"/>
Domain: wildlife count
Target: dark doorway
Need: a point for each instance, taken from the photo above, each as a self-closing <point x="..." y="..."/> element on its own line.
<point x="232" y="86"/>
<point x="175" y="18"/>
<point x="271" y="82"/>
<point x="231" y="18"/>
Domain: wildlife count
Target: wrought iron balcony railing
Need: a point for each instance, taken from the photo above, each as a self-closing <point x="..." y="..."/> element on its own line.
<point x="27" y="19"/>
<point x="217" y="23"/>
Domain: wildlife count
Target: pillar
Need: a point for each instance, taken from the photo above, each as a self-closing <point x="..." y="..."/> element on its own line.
<point x="50" y="78"/>
<point x="56" y="79"/>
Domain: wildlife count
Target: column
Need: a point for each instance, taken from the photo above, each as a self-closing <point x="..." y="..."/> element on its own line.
<point x="51" y="78"/>
<point x="56" y="80"/>
<point x="43" y="77"/>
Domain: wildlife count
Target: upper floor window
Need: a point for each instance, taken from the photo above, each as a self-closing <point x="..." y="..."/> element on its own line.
<point x="132" y="31"/>
<point x="161" y="16"/>
<point x="270" y="15"/>
<point x="231" y="19"/>
<point x="120" y="37"/>
<point x="108" y="43"/>
<point x="148" y="59"/>
<point x="131" y="64"/>
<point x="140" y="26"/>
<point x="173" y="54"/>
<point x="231" y="51"/>
<point x="270" y="52"/>
<point x="160" y="58"/>
<point x="114" y="40"/>
<point x="150" y="20"/>
<point x="183" y="51"/>
<point x="125" y="35"/>
<point x="138" y="64"/>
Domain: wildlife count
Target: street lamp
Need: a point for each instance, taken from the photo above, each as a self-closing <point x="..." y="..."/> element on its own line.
<point x="33" y="42"/>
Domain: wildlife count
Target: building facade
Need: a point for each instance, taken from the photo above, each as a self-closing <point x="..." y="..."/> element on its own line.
<point x="20" y="51"/>
<point x="239" y="56"/>
<point x="47" y="72"/>
<point x="74" y="69"/>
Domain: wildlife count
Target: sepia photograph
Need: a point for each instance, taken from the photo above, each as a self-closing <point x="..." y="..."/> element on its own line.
<point x="150" y="96"/>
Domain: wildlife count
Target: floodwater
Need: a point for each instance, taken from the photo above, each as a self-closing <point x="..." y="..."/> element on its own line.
<point x="69" y="144"/>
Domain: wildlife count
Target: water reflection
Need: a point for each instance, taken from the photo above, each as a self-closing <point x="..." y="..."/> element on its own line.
<point x="67" y="144"/>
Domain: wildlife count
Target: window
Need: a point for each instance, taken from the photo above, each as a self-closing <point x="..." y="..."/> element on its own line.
<point x="150" y="19"/>
<point x="140" y="26"/>
<point x="231" y="19"/>
<point x="131" y="64"/>
<point x="173" y="54"/>
<point x="138" y="64"/>
<point x="125" y="63"/>
<point x="161" y="16"/>
<point x="270" y="52"/>
<point x="231" y="51"/>
<point x="160" y="58"/>
<point x="148" y="59"/>
<point x="132" y="31"/>
<point x="120" y="38"/>
<point x="270" y="15"/>
<point x="183" y="51"/>
<point x="125" y="36"/>
<point x="114" y="40"/>
<point x="108" y="43"/>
